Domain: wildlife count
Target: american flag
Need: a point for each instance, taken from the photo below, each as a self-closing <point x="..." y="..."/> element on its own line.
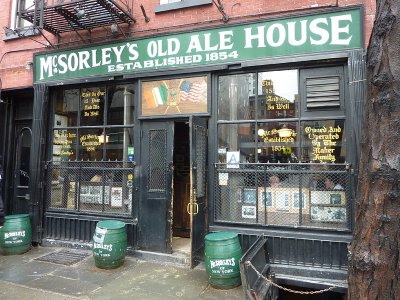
<point x="192" y="92"/>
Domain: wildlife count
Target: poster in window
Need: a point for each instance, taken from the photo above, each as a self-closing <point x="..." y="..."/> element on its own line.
<point x="328" y="214"/>
<point x="249" y="196"/>
<point x="266" y="198"/>
<point x="248" y="212"/>
<point x="175" y="96"/>
<point x="296" y="199"/>
<point x="116" y="196"/>
<point x="282" y="200"/>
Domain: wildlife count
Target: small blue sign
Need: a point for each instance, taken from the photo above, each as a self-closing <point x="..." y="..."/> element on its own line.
<point x="131" y="158"/>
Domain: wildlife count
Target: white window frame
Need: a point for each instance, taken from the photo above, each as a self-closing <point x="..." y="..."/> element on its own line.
<point x="16" y="22"/>
<point x="162" y="2"/>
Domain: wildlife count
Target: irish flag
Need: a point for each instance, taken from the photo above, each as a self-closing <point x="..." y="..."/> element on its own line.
<point x="160" y="94"/>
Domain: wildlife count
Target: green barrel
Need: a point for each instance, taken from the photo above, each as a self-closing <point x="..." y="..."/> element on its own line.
<point x="109" y="244"/>
<point x="16" y="234"/>
<point x="222" y="256"/>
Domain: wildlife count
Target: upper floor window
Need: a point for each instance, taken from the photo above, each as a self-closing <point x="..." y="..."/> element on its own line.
<point x="17" y="7"/>
<point x="166" y="5"/>
<point x="19" y="27"/>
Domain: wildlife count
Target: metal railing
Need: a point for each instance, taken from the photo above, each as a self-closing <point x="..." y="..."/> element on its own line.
<point x="90" y="186"/>
<point x="306" y="195"/>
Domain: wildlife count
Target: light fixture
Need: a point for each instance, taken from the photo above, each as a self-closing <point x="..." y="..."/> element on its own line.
<point x="285" y="132"/>
<point x="261" y="132"/>
<point x="28" y="65"/>
<point x="101" y="138"/>
<point x="114" y="28"/>
<point x="80" y="13"/>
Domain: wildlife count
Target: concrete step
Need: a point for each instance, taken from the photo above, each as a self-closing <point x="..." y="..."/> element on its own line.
<point x="177" y="258"/>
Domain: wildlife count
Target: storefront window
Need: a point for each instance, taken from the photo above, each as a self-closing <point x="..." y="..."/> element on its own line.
<point x="91" y="167"/>
<point x="119" y="144"/>
<point x="278" y="94"/>
<point x="66" y="108"/>
<point x="175" y="96"/>
<point x="323" y="141"/>
<point x="91" y="144"/>
<point x="279" y="162"/>
<point x="236" y="138"/>
<point x="92" y="106"/>
<point x="277" y="142"/>
<point x="236" y="97"/>
<point x="64" y="145"/>
<point x="120" y="109"/>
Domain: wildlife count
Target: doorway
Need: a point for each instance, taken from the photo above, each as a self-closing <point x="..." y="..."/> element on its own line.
<point x="172" y="205"/>
<point x="21" y="203"/>
<point x="181" y="189"/>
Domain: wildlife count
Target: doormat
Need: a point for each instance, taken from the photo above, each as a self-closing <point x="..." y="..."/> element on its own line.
<point x="64" y="257"/>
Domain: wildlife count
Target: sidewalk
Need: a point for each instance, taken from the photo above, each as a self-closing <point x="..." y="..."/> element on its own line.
<point x="25" y="277"/>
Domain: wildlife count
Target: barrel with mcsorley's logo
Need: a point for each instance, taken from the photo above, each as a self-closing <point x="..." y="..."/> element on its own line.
<point x="16" y="234"/>
<point x="109" y="244"/>
<point x="222" y="255"/>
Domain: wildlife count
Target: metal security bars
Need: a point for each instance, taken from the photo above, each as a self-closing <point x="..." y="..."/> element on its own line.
<point x="90" y="186"/>
<point x="302" y="195"/>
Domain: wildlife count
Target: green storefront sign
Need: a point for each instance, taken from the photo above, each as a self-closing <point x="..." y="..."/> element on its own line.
<point x="294" y="36"/>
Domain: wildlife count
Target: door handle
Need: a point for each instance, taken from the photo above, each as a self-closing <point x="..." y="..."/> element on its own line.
<point x="26" y="196"/>
<point x="192" y="208"/>
<point x="196" y="209"/>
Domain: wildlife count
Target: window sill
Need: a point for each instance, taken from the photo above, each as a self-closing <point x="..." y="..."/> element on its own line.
<point x="180" y="5"/>
<point x="20" y="33"/>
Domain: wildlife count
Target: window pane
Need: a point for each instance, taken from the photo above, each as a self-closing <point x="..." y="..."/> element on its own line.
<point x="236" y="137"/>
<point x="64" y="145"/>
<point x="175" y="96"/>
<point x="277" y="142"/>
<point x="120" y="110"/>
<point x="323" y="141"/>
<point x="92" y="106"/>
<point x="278" y="94"/>
<point x="119" y="144"/>
<point x="66" y="108"/>
<point x="90" y="144"/>
<point x="236" y="97"/>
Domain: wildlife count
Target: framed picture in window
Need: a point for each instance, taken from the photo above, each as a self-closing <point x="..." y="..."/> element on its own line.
<point x="328" y="214"/>
<point x="249" y="196"/>
<point x="282" y="199"/>
<point x="296" y="199"/>
<point x="265" y="198"/>
<point x="328" y="197"/>
<point x="249" y="212"/>
<point x="116" y="196"/>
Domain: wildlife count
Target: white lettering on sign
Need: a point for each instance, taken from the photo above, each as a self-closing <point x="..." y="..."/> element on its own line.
<point x="102" y="246"/>
<point x="14" y="234"/>
<point x="318" y="33"/>
<point x="222" y="262"/>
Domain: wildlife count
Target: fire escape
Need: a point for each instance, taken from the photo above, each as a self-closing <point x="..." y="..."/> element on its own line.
<point x="63" y="16"/>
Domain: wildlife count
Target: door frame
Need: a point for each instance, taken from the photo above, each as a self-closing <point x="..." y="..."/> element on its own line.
<point x="197" y="229"/>
<point x="20" y="128"/>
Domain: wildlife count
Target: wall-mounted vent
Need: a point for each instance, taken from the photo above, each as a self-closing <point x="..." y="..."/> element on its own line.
<point x="323" y="92"/>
